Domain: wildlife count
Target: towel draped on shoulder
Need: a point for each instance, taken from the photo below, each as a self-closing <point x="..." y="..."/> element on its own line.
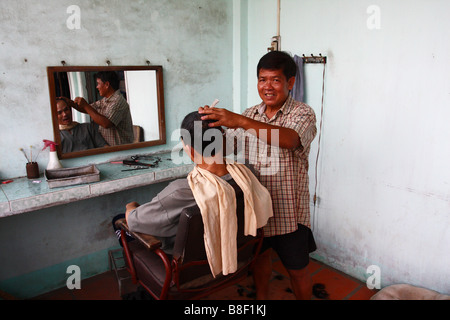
<point x="217" y="202"/>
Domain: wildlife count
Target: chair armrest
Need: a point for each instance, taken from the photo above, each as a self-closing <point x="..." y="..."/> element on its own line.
<point x="149" y="241"/>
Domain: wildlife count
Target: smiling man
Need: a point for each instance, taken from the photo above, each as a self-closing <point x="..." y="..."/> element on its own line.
<point x="293" y="124"/>
<point x="112" y="113"/>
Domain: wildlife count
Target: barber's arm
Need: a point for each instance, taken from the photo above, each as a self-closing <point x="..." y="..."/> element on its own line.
<point x="287" y="138"/>
<point x="83" y="106"/>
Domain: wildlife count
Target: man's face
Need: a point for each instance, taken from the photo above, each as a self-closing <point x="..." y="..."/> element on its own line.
<point x="64" y="113"/>
<point x="273" y="87"/>
<point x="102" y="87"/>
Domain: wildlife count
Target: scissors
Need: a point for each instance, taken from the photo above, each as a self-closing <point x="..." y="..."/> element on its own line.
<point x="135" y="168"/>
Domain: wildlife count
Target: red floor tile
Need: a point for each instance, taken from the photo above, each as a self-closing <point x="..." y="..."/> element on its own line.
<point x="278" y="267"/>
<point x="243" y="290"/>
<point x="363" y="293"/>
<point x="59" y="294"/>
<point x="337" y="286"/>
<point x="280" y="289"/>
<point x="314" y="266"/>
<point x="103" y="287"/>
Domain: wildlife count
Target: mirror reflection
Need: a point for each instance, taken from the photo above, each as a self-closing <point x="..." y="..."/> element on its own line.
<point x="76" y="136"/>
<point x="104" y="109"/>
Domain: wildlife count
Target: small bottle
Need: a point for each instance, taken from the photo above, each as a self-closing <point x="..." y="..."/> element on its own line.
<point x="53" y="162"/>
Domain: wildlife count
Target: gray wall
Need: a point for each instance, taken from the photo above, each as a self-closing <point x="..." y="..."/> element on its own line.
<point x="192" y="40"/>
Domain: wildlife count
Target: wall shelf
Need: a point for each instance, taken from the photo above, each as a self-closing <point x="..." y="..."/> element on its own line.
<point x="23" y="195"/>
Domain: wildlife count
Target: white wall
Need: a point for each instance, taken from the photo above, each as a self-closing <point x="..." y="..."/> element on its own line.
<point x="384" y="178"/>
<point x="142" y="95"/>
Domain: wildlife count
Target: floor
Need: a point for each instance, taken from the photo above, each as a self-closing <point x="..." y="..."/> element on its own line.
<point x="337" y="286"/>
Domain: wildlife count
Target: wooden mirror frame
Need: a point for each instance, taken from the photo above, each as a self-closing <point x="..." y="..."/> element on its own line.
<point x="160" y="99"/>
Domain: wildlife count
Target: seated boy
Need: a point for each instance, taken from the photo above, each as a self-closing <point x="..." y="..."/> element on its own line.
<point x="208" y="187"/>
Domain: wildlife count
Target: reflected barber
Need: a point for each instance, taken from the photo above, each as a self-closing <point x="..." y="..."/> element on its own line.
<point x="111" y="113"/>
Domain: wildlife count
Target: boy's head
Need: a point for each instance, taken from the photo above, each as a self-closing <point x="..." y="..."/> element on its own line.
<point x="64" y="112"/>
<point x="196" y="134"/>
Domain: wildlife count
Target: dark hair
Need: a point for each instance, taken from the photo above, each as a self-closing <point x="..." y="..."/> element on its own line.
<point x="61" y="99"/>
<point x="109" y="76"/>
<point x="190" y="132"/>
<point x="275" y="60"/>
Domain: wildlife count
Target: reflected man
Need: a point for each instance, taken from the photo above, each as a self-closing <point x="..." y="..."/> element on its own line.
<point x="112" y="113"/>
<point x="76" y="136"/>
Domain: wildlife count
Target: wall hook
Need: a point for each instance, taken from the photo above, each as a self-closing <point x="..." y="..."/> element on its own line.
<point x="108" y="62"/>
<point x="148" y="62"/>
<point x="314" y="59"/>
<point x="63" y="62"/>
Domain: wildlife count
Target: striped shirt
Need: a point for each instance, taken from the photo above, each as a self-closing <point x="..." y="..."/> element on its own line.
<point x="117" y="110"/>
<point x="284" y="172"/>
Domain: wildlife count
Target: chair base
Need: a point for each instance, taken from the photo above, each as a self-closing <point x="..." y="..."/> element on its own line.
<point x="123" y="277"/>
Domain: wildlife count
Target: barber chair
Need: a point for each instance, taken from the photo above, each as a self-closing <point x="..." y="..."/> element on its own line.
<point x="185" y="274"/>
<point x="138" y="132"/>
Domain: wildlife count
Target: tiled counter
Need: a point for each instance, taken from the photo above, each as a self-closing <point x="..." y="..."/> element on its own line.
<point x="24" y="195"/>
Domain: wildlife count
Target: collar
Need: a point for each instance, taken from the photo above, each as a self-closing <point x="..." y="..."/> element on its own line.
<point x="113" y="95"/>
<point x="68" y="126"/>
<point x="285" y="108"/>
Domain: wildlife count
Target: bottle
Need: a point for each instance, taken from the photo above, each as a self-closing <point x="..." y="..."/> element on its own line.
<point x="53" y="162"/>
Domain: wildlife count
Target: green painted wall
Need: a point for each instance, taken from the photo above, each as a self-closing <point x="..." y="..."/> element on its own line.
<point x="192" y="40"/>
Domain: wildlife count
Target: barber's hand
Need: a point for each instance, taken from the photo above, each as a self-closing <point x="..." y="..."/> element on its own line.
<point x="69" y="102"/>
<point x="81" y="104"/>
<point x="223" y="116"/>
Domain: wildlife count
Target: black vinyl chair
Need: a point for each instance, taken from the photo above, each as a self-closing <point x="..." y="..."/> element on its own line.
<point x="185" y="274"/>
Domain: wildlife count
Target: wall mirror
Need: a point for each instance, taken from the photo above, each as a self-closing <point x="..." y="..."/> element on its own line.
<point x="140" y="86"/>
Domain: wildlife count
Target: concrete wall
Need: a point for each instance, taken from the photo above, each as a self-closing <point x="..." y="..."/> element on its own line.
<point x="192" y="40"/>
<point x="384" y="178"/>
<point x="39" y="246"/>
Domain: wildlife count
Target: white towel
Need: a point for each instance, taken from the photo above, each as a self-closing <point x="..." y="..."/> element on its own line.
<point x="217" y="202"/>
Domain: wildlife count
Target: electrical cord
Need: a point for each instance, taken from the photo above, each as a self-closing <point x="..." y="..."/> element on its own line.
<point x="318" y="147"/>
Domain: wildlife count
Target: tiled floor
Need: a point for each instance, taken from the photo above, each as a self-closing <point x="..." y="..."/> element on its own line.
<point x="338" y="286"/>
